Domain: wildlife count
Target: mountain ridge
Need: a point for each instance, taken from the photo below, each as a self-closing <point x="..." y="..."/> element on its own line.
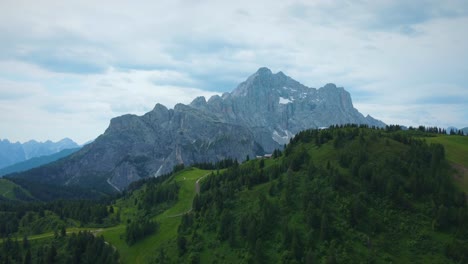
<point x="257" y="117"/>
<point x="265" y="93"/>
<point x="15" y="152"/>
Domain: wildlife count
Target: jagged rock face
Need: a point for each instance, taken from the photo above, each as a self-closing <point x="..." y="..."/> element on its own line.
<point x="134" y="147"/>
<point x="261" y="114"/>
<point x="275" y="107"/>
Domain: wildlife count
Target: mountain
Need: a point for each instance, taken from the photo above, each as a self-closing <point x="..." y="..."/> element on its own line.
<point x="33" y="148"/>
<point x="275" y="107"/>
<point x="260" y="115"/>
<point x="36" y="161"/>
<point x="11" y="153"/>
<point x="465" y="130"/>
<point x="452" y="128"/>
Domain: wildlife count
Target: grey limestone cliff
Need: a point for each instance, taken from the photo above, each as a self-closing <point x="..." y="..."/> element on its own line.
<point x="275" y="107"/>
<point x="261" y="114"/>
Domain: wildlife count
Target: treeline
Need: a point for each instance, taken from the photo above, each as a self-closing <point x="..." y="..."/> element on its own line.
<point x="35" y="217"/>
<point x="222" y="164"/>
<point x="429" y="129"/>
<point x="83" y="247"/>
<point x="151" y="181"/>
<point x="392" y="128"/>
<point x="138" y="184"/>
<point x="139" y="229"/>
<point x="153" y="196"/>
<point x="433" y="130"/>
<point x="376" y="188"/>
<point x="155" y="193"/>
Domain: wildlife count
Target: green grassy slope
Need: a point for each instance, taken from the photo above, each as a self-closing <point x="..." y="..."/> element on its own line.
<point x="11" y="191"/>
<point x="456" y="148"/>
<point x="169" y="220"/>
<point x="143" y="251"/>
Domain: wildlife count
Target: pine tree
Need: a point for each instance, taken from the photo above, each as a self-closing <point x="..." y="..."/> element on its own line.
<point x="27" y="257"/>
<point x="259" y="254"/>
<point x="26" y="244"/>
<point x="63" y="231"/>
<point x="181" y="244"/>
<point x="51" y="254"/>
<point x="324" y="226"/>
<point x="309" y="258"/>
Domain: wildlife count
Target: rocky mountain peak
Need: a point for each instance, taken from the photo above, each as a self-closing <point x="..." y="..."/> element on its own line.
<point x="66" y="141"/>
<point x="330" y="86"/>
<point x="259" y="116"/>
<point x="198" y="102"/>
<point x="264" y="82"/>
<point x="264" y="71"/>
<point x="159" y="107"/>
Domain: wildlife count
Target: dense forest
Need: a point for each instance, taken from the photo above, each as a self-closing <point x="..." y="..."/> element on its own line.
<point x="342" y="195"/>
<point x="37" y="217"/>
<point x="83" y="247"/>
<point x="346" y="194"/>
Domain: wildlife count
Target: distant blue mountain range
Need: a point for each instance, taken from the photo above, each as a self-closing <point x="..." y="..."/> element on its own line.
<point x="465" y="130"/>
<point x="37" y="161"/>
<point x="12" y="153"/>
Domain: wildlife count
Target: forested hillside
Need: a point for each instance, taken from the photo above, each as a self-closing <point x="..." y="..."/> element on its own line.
<point x="340" y="195"/>
<point x="82" y="247"/>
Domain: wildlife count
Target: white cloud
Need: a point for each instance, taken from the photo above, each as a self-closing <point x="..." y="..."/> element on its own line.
<point x="85" y="109"/>
<point x="442" y="115"/>
<point x="87" y="61"/>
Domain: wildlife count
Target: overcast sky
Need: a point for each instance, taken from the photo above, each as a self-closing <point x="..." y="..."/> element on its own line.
<point x="68" y="67"/>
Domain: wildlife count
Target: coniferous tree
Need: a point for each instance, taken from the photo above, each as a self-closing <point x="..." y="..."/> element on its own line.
<point x="51" y="254"/>
<point x="259" y="252"/>
<point x="181" y="244"/>
<point x="27" y="257"/>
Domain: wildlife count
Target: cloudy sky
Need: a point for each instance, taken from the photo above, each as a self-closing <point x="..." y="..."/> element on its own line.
<point x="67" y="67"/>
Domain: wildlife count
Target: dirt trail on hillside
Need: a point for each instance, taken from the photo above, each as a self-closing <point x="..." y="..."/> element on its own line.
<point x="197" y="191"/>
<point x="462" y="172"/>
<point x="460" y="168"/>
<point x="197" y="183"/>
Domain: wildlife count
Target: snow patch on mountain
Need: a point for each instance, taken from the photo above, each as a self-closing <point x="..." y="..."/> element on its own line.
<point x="282" y="139"/>
<point x="283" y="100"/>
<point x="289" y="88"/>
